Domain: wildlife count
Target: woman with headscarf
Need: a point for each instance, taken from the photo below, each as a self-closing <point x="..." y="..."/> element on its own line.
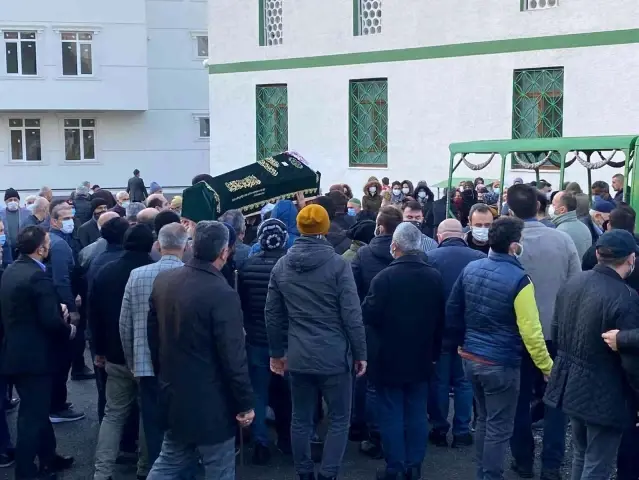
<point x="397" y="197"/>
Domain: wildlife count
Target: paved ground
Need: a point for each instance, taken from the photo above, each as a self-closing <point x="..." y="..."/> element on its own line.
<point x="78" y="439"/>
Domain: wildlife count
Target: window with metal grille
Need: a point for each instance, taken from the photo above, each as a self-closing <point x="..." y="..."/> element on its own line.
<point x="271" y="120"/>
<point x="538" y="104"/>
<point x="20" y="53"/>
<point x="79" y="139"/>
<point x="25" y="139"/>
<point x="538" y="4"/>
<point x="77" y="53"/>
<point x="367" y="17"/>
<point x="271" y="22"/>
<point x="368" y="125"/>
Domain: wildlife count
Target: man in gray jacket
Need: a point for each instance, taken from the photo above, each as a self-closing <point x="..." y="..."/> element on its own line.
<point x="563" y="213"/>
<point x="550" y="258"/>
<point x="312" y="292"/>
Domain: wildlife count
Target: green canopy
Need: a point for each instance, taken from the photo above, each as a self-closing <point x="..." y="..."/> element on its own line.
<point x="251" y="187"/>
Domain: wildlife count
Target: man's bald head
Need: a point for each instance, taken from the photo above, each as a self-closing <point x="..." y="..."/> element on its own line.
<point x="147" y="216"/>
<point x="449" y="228"/>
<point x="105" y="217"/>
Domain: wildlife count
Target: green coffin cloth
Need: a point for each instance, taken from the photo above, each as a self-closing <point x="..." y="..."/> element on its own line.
<point x="198" y="203"/>
<point x="251" y="187"/>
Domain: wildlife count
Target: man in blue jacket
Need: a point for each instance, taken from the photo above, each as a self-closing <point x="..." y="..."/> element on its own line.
<point x="60" y="267"/>
<point x="450" y="259"/>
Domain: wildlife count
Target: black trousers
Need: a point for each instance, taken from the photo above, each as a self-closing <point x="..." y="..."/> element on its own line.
<point x="35" y="432"/>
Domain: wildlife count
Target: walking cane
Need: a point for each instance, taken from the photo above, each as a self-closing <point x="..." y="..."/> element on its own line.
<point x="241" y="451"/>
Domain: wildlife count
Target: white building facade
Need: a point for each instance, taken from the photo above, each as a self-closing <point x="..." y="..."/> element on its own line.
<point x="93" y="90"/>
<point x="382" y="87"/>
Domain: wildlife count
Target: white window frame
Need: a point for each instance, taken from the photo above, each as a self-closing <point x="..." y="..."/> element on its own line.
<point x="79" y="43"/>
<point x="7" y="121"/>
<point x="196" y="50"/>
<point x="82" y="128"/>
<point x="197" y="119"/>
<point x="38" y="41"/>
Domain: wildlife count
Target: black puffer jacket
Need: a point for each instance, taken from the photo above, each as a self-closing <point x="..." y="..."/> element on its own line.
<point x="83" y="212"/>
<point x="337" y="237"/>
<point x="253" y="287"/>
<point x="369" y="261"/>
<point x="589" y="381"/>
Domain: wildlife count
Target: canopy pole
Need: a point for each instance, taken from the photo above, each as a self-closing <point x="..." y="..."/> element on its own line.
<point x="502" y="175"/>
<point x="626" y="170"/>
<point x="537" y="176"/>
<point x="562" y="170"/>
<point x="634" y="190"/>
<point x="451" y="169"/>
<point x="588" y="189"/>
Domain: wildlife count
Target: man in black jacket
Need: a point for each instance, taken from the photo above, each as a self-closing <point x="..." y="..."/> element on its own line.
<point x="198" y="353"/>
<point x="82" y="204"/>
<point x="135" y="188"/>
<point x="368" y="262"/>
<point x="253" y="287"/>
<point x="597" y="388"/>
<point x="34" y="328"/>
<point x="336" y="235"/>
<point x="105" y="300"/>
<point x="89" y="231"/>
<point x="402" y="348"/>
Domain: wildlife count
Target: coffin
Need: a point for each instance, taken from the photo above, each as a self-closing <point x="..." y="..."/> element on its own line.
<point x="251" y="187"/>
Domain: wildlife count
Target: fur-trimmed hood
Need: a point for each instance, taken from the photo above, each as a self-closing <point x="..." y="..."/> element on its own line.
<point x="423" y="186"/>
<point x="373" y="183"/>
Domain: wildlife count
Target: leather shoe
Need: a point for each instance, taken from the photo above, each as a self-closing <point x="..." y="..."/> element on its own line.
<point x="59" y="463"/>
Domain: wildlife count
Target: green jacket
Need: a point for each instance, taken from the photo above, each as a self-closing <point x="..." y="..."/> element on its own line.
<point x="349" y="254"/>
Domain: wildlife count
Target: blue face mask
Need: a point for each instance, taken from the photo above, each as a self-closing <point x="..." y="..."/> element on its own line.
<point x="73" y="211"/>
<point x="3" y="239"/>
<point x="351" y="212"/>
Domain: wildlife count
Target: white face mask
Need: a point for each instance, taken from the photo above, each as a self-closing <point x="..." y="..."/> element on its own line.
<point x="13" y="206"/>
<point x="396" y="191"/>
<point x="392" y="251"/>
<point x="125" y="204"/>
<point x="480" y="234"/>
<point x="551" y="211"/>
<point x="405" y="190"/>
<point x="520" y="252"/>
<point x="421" y="194"/>
<point x="30" y="207"/>
<point x="67" y="226"/>
<point x="372" y="190"/>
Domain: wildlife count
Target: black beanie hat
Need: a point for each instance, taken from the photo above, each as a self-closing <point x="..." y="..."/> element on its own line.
<point x="97" y="202"/>
<point x="11" y="193"/>
<point x="138" y="238"/>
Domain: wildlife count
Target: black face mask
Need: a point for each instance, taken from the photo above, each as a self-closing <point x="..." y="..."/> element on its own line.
<point x="417" y="224"/>
<point x="604" y="226"/>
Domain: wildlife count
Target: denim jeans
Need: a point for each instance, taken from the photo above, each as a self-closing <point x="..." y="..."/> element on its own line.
<point x="260" y="374"/>
<point x="151" y="415"/>
<point x="337" y="391"/>
<point x="594" y="450"/>
<point x="496" y="389"/>
<point x="358" y="412"/>
<point x="449" y="371"/>
<point x="522" y="444"/>
<point x="371" y="408"/>
<point x="178" y="459"/>
<point x="403" y="425"/>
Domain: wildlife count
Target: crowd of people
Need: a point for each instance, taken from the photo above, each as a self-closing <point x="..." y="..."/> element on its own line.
<point x="370" y="314"/>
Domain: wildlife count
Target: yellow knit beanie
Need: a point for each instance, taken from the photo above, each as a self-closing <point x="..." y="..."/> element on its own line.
<point x="313" y="220"/>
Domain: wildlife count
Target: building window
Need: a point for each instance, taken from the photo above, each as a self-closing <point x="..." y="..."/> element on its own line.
<point x="271" y="23"/>
<point x="25" y="139"/>
<point x="367" y="17"/>
<point x="368" y="126"/>
<point x="538" y="4"/>
<point x="271" y="120"/>
<point x="538" y="104"/>
<point x="20" y="53"/>
<point x="79" y="139"/>
<point x="77" y="53"/>
<point x="205" y="127"/>
<point x="202" y="42"/>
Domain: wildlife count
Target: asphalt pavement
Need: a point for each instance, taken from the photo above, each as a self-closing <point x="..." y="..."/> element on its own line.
<point x="79" y="439"/>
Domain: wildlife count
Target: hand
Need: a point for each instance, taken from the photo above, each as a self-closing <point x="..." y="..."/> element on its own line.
<point x="65" y="312"/>
<point x="360" y="367"/>
<point x="279" y="366"/>
<point x="99" y="361"/>
<point x="610" y="337"/>
<point x="246" y="418"/>
<point x="78" y="301"/>
<point x="301" y="201"/>
<point x="74" y="317"/>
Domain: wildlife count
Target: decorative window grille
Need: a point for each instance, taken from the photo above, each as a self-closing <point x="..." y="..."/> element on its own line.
<point x="271" y="120"/>
<point x="538" y="4"/>
<point x="25" y="139"/>
<point x="367" y="17"/>
<point x="538" y="103"/>
<point x="271" y="22"/>
<point x="368" y="126"/>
